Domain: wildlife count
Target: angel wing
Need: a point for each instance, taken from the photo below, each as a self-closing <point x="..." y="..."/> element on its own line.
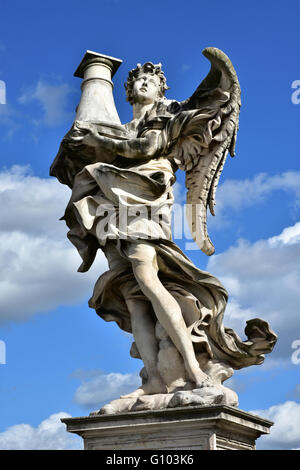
<point x="200" y="136"/>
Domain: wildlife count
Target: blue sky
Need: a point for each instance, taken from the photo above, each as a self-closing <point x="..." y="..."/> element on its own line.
<point x="60" y="357"/>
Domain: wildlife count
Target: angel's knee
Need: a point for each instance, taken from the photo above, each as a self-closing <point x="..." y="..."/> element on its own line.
<point x="145" y="273"/>
<point x="143" y="256"/>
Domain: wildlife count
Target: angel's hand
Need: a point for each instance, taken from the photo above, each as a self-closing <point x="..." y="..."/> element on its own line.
<point x="84" y="127"/>
<point x="85" y="133"/>
<point x="89" y="136"/>
<point x="89" y="140"/>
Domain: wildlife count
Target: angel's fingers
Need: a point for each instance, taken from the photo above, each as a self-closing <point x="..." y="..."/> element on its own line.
<point x="89" y="128"/>
<point x="76" y="139"/>
<point x="84" y="126"/>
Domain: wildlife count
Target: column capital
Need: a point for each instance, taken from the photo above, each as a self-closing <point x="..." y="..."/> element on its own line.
<point x="91" y="57"/>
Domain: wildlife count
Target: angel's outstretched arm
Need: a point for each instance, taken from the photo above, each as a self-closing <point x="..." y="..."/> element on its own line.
<point x="142" y="147"/>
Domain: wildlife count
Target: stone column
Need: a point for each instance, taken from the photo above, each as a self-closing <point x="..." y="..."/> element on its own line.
<point x="96" y="106"/>
<point x="97" y="103"/>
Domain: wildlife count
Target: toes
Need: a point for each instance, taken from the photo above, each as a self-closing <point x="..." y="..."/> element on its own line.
<point x="205" y="383"/>
<point x="137" y="393"/>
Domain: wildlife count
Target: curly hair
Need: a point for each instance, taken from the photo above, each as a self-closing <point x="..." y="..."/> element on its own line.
<point x="149" y="68"/>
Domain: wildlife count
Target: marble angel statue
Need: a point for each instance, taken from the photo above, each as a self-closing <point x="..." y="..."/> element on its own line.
<point x="173" y="309"/>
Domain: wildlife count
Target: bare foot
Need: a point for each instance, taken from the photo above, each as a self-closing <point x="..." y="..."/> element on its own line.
<point x="152" y="387"/>
<point x="204" y="382"/>
<point x="137" y="393"/>
<point x="198" y="376"/>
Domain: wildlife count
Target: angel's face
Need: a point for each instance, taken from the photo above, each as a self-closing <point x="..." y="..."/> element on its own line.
<point x="146" y="89"/>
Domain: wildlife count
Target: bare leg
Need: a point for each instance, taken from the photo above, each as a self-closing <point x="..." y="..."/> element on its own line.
<point x="143" y="330"/>
<point x="167" y="310"/>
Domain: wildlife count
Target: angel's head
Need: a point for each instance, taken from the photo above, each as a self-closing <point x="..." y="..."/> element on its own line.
<point x="146" y="84"/>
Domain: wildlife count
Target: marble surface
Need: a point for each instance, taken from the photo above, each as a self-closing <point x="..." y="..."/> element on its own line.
<point x="196" y="428"/>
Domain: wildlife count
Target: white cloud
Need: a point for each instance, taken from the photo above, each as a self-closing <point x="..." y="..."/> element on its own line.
<point x="30" y="204"/>
<point x="238" y="194"/>
<point x="285" y="433"/>
<point x="100" y="388"/>
<point x="38" y="265"/>
<point x="38" y="274"/>
<point x="233" y="196"/>
<point x="50" y="434"/>
<point x="289" y="236"/>
<point x="263" y="281"/>
<point x="53" y="101"/>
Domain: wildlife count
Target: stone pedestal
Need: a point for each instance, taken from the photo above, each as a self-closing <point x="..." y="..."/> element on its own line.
<point x="216" y="427"/>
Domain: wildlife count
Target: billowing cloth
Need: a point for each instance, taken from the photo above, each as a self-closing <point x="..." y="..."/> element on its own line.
<point x="112" y="203"/>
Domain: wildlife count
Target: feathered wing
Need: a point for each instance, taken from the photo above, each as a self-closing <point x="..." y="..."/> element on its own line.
<point x="200" y="136"/>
